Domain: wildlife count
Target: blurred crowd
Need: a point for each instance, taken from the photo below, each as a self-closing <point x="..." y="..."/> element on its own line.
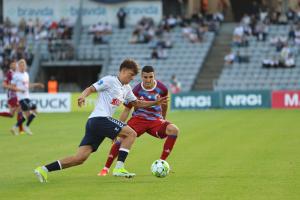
<point x="158" y="36"/>
<point x="257" y="25"/>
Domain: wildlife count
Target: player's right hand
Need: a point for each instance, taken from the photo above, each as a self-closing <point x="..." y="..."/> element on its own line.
<point x="81" y="101"/>
<point x="162" y="100"/>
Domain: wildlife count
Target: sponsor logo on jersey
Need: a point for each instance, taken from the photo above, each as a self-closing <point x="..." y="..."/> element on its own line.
<point x="115" y="102"/>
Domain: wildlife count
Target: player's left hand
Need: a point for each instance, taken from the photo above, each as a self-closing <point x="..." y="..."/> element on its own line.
<point x="81" y="101"/>
<point x="162" y="100"/>
<point x="40" y="85"/>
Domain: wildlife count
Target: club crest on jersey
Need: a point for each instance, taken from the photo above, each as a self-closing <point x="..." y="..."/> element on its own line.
<point x="115" y="102"/>
<point x="100" y="82"/>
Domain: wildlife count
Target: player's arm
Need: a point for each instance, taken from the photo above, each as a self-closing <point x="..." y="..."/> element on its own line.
<point x="84" y="94"/>
<point x="146" y="104"/>
<point x="164" y="109"/>
<point x="125" y="113"/>
<point x="36" y="85"/>
<point x="11" y="87"/>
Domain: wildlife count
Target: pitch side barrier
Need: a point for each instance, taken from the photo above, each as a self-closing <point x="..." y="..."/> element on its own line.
<point x="60" y="102"/>
<point x="67" y="102"/>
<point x="236" y="100"/>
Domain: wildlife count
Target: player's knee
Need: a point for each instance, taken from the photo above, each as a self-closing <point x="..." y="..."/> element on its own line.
<point x="132" y="134"/>
<point x="172" y="130"/>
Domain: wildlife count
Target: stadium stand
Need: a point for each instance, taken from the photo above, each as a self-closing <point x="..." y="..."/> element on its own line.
<point x="184" y="59"/>
<point x="250" y="75"/>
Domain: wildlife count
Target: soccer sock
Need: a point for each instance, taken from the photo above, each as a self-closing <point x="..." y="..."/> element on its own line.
<point x="122" y="157"/>
<point x="5" y="114"/>
<point x="19" y="116"/>
<point x="20" y="121"/>
<point x="168" y="146"/>
<point x="30" y="118"/>
<point x="53" y="166"/>
<point x="112" y="154"/>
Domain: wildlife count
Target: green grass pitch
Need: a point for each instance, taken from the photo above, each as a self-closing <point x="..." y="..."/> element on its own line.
<point x="219" y="155"/>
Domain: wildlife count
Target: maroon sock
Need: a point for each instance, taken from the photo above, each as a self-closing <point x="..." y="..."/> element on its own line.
<point x="5" y="114"/>
<point x="114" y="151"/>
<point x="20" y="116"/>
<point x="168" y="146"/>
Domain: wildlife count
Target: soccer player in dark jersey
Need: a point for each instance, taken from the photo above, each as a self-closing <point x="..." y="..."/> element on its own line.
<point x="12" y="99"/>
<point x="151" y="120"/>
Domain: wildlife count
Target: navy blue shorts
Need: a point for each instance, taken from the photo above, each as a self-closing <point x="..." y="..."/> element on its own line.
<point x="26" y="105"/>
<point x="98" y="128"/>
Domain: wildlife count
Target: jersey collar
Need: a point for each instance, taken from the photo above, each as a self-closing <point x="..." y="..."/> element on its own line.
<point x="119" y="81"/>
<point x="155" y="84"/>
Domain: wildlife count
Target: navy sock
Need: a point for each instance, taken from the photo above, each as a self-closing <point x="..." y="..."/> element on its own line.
<point x="20" y="121"/>
<point x="123" y="154"/>
<point x="54" y="166"/>
<point x="30" y="118"/>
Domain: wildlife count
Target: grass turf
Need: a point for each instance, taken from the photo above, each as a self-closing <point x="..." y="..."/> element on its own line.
<point x="220" y="154"/>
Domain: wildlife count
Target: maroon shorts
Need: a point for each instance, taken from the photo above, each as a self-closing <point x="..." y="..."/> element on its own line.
<point x="156" y="128"/>
<point x="13" y="102"/>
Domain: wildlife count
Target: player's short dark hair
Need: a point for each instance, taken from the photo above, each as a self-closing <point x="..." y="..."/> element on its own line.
<point x="130" y="64"/>
<point x="148" y="69"/>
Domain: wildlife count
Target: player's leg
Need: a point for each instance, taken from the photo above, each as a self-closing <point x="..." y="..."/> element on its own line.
<point x="89" y="143"/>
<point x="128" y="135"/>
<point x="172" y="132"/>
<point x="136" y="124"/>
<point x="25" y="127"/>
<point x="12" y="108"/>
<point x="164" y="129"/>
<point x="113" y="153"/>
<point x="82" y="154"/>
<point x="30" y="116"/>
<point x="6" y="114"/>
<point x="25" y="110"/>
<point x="19" y="116"/>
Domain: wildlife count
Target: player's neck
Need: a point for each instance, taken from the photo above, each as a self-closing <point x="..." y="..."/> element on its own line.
<point x="120" y="80"/>
<point x="149" y="88"/>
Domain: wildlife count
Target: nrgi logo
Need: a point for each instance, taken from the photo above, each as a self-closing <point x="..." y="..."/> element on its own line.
<point x="243" y="100"/>
<point x="193" y="101"/>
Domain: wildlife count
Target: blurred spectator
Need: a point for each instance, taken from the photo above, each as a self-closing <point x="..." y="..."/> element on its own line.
<point x="175" y="85"/>
<point x="121" y="14"/>
<point x="230" y="58"/>
<point x="236" y="58"/>
<point x="159" y="53"/>
<point x="270" y="63"/>
<point x="261" y="31"/>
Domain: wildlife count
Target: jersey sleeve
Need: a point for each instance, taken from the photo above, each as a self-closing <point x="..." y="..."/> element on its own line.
<point x="102" y="84"/>
<point x="130" y="97"/>
<point x="135" y="92"/>
<point x="14" y="79"/>
<point x="164" y="90"/>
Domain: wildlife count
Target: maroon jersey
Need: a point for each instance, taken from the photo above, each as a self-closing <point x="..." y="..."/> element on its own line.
<point x="8" y="77"/>
<point x="153" y="112"/>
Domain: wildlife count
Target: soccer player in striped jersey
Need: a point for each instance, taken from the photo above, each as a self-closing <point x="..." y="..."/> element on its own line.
<point x="151" y="120"/>
<point x="112" y="92"/>
<point x="12" y="99"/>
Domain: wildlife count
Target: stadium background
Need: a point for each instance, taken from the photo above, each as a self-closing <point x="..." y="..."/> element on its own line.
<point x="239" y="154"/>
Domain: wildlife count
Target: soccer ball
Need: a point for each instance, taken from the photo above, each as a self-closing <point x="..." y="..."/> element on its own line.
<point x="160" y="168"/>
